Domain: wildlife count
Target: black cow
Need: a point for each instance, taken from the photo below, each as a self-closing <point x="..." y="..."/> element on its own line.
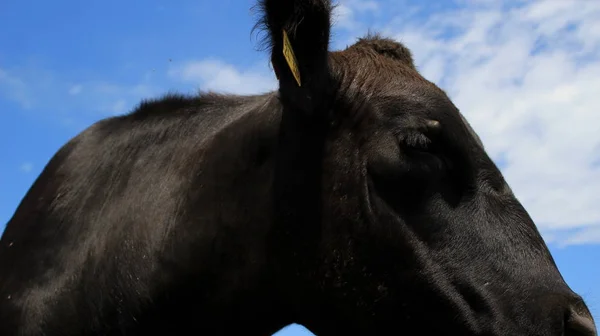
<point x="355" y="200"/>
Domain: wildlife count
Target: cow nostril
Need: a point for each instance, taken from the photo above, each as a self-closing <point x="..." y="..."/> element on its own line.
<point x="578" y="324"/>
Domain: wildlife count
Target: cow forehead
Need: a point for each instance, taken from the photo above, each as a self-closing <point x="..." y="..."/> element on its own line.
<point x="377" y="67"/>
<point x="382" y="71"/>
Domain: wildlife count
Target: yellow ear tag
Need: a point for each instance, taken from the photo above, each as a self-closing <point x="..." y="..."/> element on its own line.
<point x="288" y="53"/>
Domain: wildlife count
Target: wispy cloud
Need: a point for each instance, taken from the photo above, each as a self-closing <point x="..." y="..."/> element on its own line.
<point x="581" y="237"/>
<point x="26" y="167"/>
<point x="114" y="99"/>
<point x="218" y="76"/>
<point x="14" y="88"/>
<point x="347" y="14"/>
<point x="75" y="89"/>
<point x="119" y="107"/>
<point x="89" y="100"/>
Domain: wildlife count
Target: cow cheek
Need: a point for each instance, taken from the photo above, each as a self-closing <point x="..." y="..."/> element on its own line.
<point x="384" y="158"/>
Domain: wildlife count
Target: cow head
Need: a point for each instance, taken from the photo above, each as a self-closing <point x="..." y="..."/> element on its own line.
<point x="391" y="214"/>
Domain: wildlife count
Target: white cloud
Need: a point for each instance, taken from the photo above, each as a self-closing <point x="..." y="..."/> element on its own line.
<point x="527" y="78"/>
<point x="218" y="76"/>
<point x="347" y="13"/>
<point x="587" y="236"/>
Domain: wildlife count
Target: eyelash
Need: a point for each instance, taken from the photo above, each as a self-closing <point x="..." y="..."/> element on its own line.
<point x="415" y="141"/>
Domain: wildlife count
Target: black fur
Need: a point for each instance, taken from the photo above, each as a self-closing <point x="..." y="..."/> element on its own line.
<point x="360" y="203"/>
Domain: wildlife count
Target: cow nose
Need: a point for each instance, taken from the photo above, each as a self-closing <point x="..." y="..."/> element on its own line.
<point x="579" y="322"/>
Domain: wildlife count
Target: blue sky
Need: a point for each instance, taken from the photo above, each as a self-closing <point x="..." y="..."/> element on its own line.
<point x="525" y="74"/>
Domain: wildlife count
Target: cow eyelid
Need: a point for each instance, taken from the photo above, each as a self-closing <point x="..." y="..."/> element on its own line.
<point x="419" y="136"/>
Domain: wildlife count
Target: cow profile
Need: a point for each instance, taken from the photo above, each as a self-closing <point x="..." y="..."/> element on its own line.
<point x="354" y="200"/>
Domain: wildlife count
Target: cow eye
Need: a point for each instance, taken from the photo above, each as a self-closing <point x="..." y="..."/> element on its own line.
<point x="411" y="152"/>
<point x="422" y="157"/>
<point x="419" y="135"/>
<point x="421" y="148"/>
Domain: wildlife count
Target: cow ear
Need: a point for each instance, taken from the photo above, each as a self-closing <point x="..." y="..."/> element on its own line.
<point x="298" y="39"/>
